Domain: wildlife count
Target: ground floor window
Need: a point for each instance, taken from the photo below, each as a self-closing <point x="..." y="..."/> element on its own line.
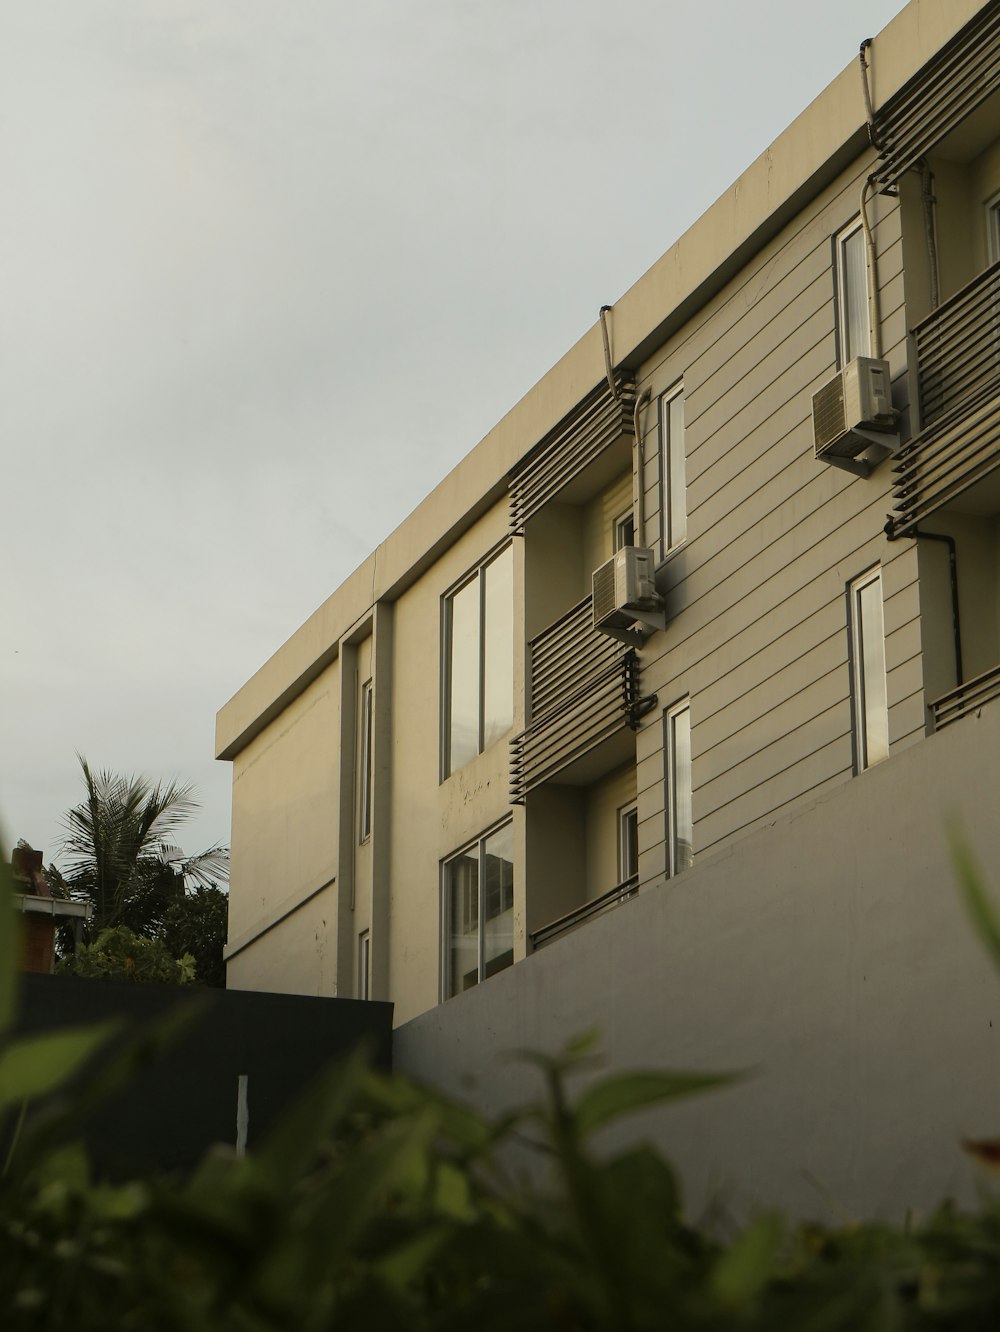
<point x="677" y="749"/>
<point x="478" y="911"/>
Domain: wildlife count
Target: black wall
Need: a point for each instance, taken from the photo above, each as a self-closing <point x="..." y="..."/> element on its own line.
<point x="184" y="1098"/>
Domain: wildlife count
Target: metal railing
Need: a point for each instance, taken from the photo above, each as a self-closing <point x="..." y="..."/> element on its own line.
<point x="621" y="893"/>
<point x="582" y="686"/>
<point x="958" y="347"/>
<point x="966" y="698"/>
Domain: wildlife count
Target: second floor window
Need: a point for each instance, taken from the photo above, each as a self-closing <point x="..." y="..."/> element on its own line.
<point x="673" y="485"/>
<point x="365" y="764"/>
<point x="851" y="279"/>
<point x="478" y="704"/>
<point x="868" y="683"/>
<point x="478" y="912"/>
<point x="680" y="824"/>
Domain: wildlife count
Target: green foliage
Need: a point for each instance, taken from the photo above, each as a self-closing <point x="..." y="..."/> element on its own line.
<point x="118" y="856"/>
<point x="379" y="1205"/>
<point x="118" y="954"/>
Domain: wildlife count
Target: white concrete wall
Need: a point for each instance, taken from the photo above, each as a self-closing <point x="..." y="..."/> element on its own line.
<point x="827" y="953"/>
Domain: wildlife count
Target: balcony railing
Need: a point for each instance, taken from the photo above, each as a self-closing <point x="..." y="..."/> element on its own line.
<point x="958" y="363"/>
<point x="579" y="914"/>
<point x="958" y="347"/>
<point x="583" y="686"/>
<point x="966" y="698"/>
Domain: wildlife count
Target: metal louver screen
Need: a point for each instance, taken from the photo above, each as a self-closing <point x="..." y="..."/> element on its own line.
<point x="582" y="435"/>
<point x="604" y="591"/>
<point x="940" y="96"/>
<point x="829" y="419"/>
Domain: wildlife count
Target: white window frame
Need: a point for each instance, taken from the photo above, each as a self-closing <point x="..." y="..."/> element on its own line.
<point x="840" y="282"/>
<point x="445" y="918"/>
<point x="365" y="965"/>
<point x="866" y="711"/>
<point x="623" y="531"/>
<point x="673" y="472"/>
<point x="675" y="780"/>
<point x="992" y="208"/>
<point x="628" y="842"/>
<point x="365" y="735"/>
<point x="476" y="575"/>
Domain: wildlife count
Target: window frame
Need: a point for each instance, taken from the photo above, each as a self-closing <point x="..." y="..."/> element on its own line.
<point x="860" y="714"/>
<point x="365" y="964"/>
<point x="991" y="207"/>
<point x="628" y="842"/>
<point x="672" y="463"/>
<point x="672" y="784"/>
<point x="841" y="293"/>
<point x="479" y="844"/>
<point x="365" y="738"/>
<point x="474" y="575"/>
<point x="624" y="523"/>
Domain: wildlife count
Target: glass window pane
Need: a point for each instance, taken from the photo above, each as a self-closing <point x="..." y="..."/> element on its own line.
<point x="462" y="888"/>
<point x="682" y="829"/>
<point x="498" y="901"/>
<point x="628" y="844"/>
<point x="463" y="676"/>
<point x="870" y="640"/>
<point x="498" y="645"/>
<point x="366" y="762"/>
<point x="855" y="334"/>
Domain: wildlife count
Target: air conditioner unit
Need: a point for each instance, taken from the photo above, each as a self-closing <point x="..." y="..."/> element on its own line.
<point x="853" y="416"/>
<point x="626" y="602"/>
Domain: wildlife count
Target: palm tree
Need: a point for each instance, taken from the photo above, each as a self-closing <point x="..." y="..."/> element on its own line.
<point x="119" y="853"/>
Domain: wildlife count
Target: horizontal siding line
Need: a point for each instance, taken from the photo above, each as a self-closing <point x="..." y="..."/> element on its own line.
<point x="736" y="388"/>
<point x="703" y="568"/>
<point x="757" y="265"/>
<point x="827" y="783"/>
<point x="784" y="732"/>
<point x="743" y="597"/>
<point x="702" y="719"/>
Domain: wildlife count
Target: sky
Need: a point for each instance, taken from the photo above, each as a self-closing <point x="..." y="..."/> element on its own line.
<point x="269" y="270"/>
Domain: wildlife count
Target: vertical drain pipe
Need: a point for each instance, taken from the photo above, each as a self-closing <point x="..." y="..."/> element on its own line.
<point x="930" y="229"/>
<point x="640" y="468"/>
<point x="874" y="302"/>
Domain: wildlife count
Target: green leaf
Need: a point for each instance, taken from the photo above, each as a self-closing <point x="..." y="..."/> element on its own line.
<point x="625" y="1093"/>
<point x="977" y="904"/>
<point x="745" y="1268"/>
<point x="36" y="1065"/>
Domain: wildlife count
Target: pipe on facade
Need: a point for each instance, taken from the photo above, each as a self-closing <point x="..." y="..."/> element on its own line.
<point x="956" y="622"/>
<point x="640" y="468"/>
<point x="930" y="229"/>
<point x="866" y="89"/>
<point x="874" y="302"/>
<point x="608" y="366"/>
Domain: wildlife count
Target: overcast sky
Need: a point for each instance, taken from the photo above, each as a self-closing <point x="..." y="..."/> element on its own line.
<point x="268" y="270"/>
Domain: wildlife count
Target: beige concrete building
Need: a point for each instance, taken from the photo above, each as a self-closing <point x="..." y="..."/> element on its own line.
<point x="780" y="451"/>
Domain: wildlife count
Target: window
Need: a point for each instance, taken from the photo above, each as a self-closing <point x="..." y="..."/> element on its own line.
<point x="479" y="661"/>
<point x="993" y="229"/>
<point x="623" y="533"/>
<point x="628" y="843"/>
<point x="853" y="321"/>
<point x="673" y="487"/>
<point x="677" y="748"/>
<point x="478" y="902"/>
<point x="365" y="965"/>
<point x="365" y="765"/>
<point x="868" y="689"/>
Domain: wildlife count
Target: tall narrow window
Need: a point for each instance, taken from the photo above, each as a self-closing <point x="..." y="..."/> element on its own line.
<point x="993" y="229"/>
<point x="478" y="886"/>
<point x="673" y="486"/>
<point x="365" y="764"/>
<point x="871" y="712"/>
<point x="677" y="749"/>
<point x="479" y="661"/>
<point x="853" y="323"/>
<point x="364" y="965"/>
<point x="628" y="843"/>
